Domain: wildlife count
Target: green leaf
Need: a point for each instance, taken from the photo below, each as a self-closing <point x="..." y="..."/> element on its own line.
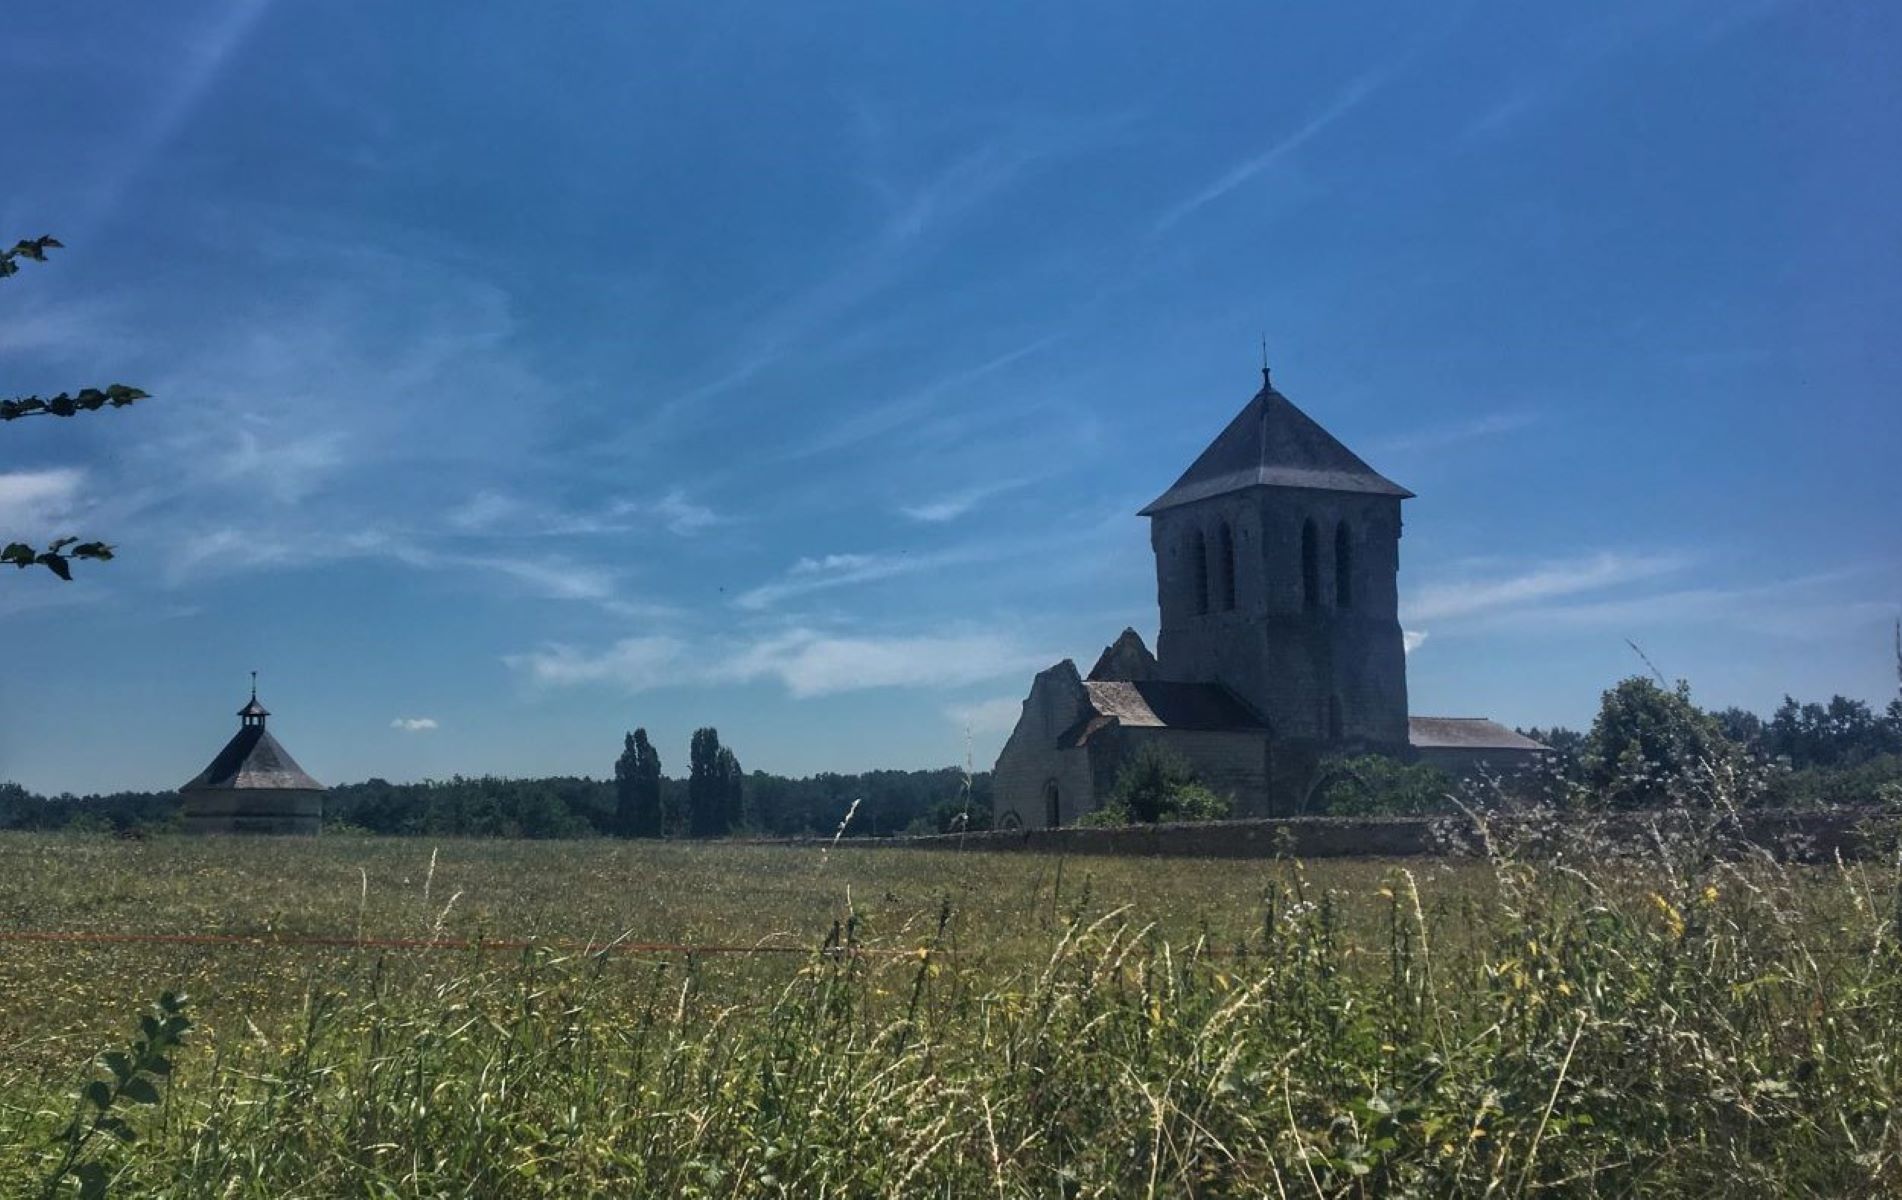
<point x="56" y="565"/>
<point x="98" y="1095"/>
<point x="141" y="1091"/>
<point x="92" y="1180"/>
<point x="118" y="1064"/>
<point x="119" y="1129"/>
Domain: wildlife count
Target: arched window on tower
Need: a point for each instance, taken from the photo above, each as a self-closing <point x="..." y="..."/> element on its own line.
<point x="1343" y="567"/>
<point x="1310" y="566"/>
<point x="1199" y="565"/>
<point x="1225" y="564"/>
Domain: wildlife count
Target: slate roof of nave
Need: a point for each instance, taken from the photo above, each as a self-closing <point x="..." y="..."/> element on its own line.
<point x="1156" y="704"/>
<point x="1271" y="443"/>
<point x="1466" y="733"/>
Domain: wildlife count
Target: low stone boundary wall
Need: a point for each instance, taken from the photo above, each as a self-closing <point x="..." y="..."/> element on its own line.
<point x="1808" y="835"/>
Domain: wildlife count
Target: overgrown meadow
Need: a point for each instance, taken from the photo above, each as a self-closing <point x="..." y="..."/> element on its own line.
<point x="1681" y="1018"/>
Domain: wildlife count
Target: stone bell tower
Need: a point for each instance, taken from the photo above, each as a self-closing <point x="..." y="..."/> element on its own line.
<point x="1276" y="561"/>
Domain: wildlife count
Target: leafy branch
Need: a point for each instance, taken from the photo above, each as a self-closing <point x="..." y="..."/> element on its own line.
<point x="136" y="1073"/>
<point x="33" y="248"/>
<point x="58" y="557"/>
<point x="117" y="395"/>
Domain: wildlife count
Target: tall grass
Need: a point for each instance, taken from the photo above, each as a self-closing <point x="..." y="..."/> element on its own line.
<point x="1695" y="1019"/>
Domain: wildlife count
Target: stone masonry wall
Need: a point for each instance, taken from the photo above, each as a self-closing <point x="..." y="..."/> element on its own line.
<point x="1289" y="661"/>
<point x="1031" y="761"/>
<point x="1807" y="836"/>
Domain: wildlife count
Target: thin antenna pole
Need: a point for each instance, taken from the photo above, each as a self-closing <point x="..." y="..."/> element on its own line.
<point x="254" y="685"/>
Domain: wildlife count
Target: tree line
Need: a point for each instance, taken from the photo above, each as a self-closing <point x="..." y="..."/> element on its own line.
<point x="715" y="799"/>
<point x="1651" y="746"/>
<point x="1646" y="747"/>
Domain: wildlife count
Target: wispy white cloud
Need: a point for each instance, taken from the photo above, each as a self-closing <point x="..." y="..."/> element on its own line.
<point x="996" y="715"/>
<point x="36" y="503"/>
<point x="1472" y="597"/>
<point x="1412" y="639"/>
<point x="1422" y="440"/>
<point x="806" y="662"/>
<point x="954" y="505"/>
<point x="1601" y="36"/>
<point x="484" y="511"/>
<point x="814" y="664"/>
<point x="1806" y="608"/>
<point x="680" y="515"/>
<point x="635" y="664"/>
<point x="308" y="414"/>
<point x="842" y="570"/>
<point x="199" y="63"/>
<point x="1631" y="593"/>
<point x="1239" y="174"/>
<point x="415" y="724"/>
<point x="895" y="415"/>
<point x="917" y="218"/>
<point x="227" y="550"/>
<point x="286" y="466"/>
<point x="502" y="514"/>
<point x="58" y="329"/>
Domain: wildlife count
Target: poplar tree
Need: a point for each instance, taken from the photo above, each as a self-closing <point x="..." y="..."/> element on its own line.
<point x="706" y="785"/>
<point x="732" y="790"/>
<point x="637" y="811"/>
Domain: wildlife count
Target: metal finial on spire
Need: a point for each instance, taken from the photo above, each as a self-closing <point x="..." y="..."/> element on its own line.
<point x="254" y="685"/>
<point x="1264" y="360"/>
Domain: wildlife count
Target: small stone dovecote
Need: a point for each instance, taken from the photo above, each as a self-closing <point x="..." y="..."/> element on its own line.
<point x="253" y="785"/>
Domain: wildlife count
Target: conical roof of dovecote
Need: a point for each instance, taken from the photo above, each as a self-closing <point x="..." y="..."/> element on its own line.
<point x="1271" y="443"/>
<point x="253" y="759"/>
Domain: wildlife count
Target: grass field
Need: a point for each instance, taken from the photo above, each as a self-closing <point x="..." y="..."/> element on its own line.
<point x="1670" y="1023"/>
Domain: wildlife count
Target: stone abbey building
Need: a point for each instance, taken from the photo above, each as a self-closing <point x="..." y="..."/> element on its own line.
<point x="1277" y="560"/>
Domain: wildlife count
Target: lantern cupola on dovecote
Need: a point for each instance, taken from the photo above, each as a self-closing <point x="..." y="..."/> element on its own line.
<point x="254" y="785"/>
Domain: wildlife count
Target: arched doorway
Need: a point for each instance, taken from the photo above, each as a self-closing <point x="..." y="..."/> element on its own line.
<point x="1052" y="806"/>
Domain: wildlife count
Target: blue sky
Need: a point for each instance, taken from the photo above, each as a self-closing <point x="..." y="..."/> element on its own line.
<point x="527" y="374"/>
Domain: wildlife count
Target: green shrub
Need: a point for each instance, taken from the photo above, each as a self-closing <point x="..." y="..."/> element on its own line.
<point x="1376" y="786"/>
<point x="1157" y="785"/>
<point x="1650" y="747"/>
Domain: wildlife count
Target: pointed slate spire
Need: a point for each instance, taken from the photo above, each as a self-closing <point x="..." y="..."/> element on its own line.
<point x="1271" y="443"/>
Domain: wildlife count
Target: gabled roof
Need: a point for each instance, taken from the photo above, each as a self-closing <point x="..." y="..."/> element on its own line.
<point x="1126" y="659"/>
<point x="1154" y="704"/>
<point x="253" y="759"/>
<point x="1466" y="733"/>
<point x="1271" y="443"/>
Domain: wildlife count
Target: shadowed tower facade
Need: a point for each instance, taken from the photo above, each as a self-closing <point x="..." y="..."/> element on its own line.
<point x="1277" y="560"/>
